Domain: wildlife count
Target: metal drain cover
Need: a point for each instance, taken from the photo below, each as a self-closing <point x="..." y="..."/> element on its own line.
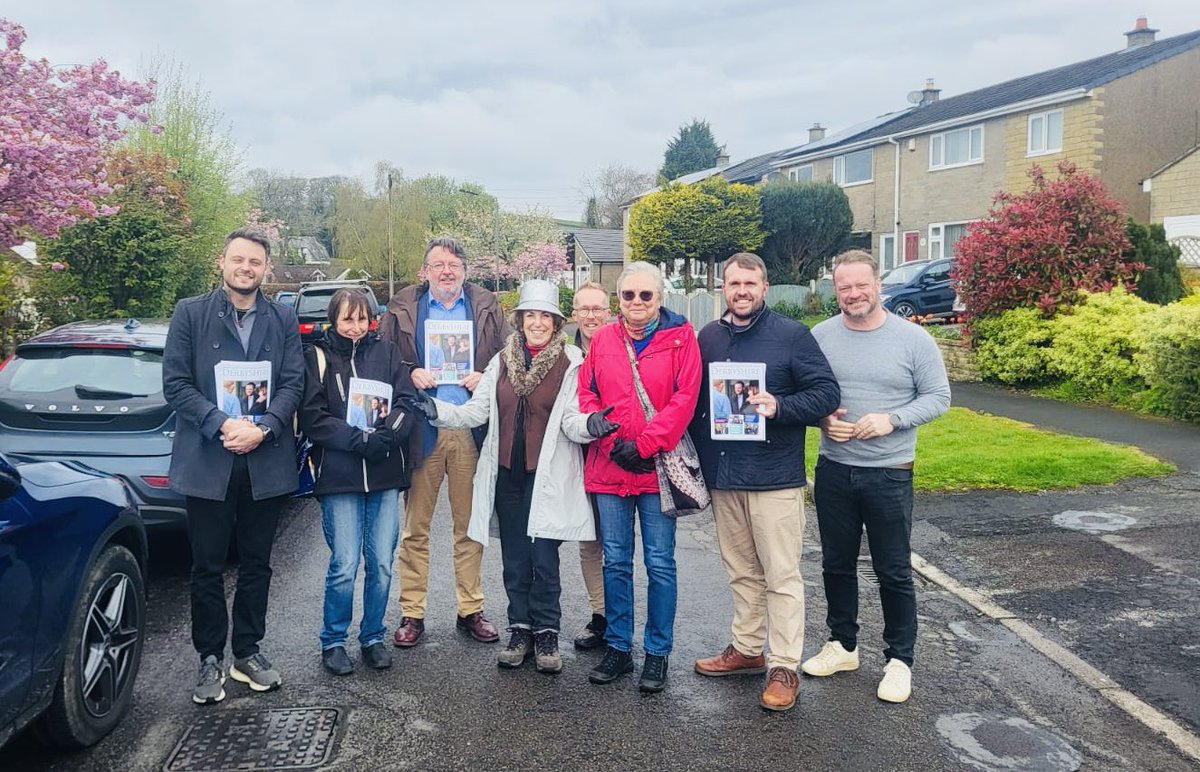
<point x="287" y="738"/>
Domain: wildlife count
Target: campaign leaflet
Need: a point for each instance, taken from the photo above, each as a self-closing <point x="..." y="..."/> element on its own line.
<point x="243" y="389"/>
<point x="449" y="349"/>
<point x="731" y="416"/>
<point x="368" y="403"/>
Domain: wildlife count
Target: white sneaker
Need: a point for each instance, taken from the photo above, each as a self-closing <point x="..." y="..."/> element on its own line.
<point x="896" y="684"/>
<point x="832" y="658"/>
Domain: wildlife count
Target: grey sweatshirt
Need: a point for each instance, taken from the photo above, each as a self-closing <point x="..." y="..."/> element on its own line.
<point x="895" y="368"/>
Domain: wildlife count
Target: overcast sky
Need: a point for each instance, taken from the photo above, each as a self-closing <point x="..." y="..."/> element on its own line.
<point x="526" y="97"/>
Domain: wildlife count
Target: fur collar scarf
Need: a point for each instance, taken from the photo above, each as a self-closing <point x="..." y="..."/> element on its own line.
<point x="526" y="377"/>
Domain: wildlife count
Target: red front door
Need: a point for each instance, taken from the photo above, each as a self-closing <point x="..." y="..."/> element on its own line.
<point x="912" y="242"/>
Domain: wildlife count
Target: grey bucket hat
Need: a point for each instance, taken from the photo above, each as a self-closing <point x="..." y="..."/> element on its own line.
<point x="539" y="295"/>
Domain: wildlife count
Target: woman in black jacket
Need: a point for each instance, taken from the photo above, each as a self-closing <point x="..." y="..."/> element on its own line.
<point x="359" y="473"/>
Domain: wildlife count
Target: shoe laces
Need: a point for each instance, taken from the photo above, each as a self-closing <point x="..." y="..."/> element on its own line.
<point x="654" y="668"/>
<point x="546" y="642"/>
<point x="784" y="676"/>
<point x="210" y="671"/>
<point x="520" y="635"/>
<point x="612" y="659"/>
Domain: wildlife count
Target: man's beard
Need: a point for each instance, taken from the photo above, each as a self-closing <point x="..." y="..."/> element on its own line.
<point x="243" y="292"/>
<point x="863" y="314"/>
<point x="754" y="311"/>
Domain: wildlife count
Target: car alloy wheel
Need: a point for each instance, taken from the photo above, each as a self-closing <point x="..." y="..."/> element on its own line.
<point x="103" y="652"/>
<point x="905" y="310"/>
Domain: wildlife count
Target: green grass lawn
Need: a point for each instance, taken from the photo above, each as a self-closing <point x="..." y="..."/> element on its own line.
<point x="964" y="450"/>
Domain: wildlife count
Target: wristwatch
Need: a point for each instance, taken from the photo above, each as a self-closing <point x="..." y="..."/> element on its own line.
<point x="894" y="420"/>
<point x="266" y="430"/>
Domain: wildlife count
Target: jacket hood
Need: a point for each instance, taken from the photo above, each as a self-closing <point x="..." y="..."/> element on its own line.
<point x="333" y="341"/>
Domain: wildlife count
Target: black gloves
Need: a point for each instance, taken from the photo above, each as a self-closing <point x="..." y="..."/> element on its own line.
<point x="420" y="402"/>
<point x="377" y="445"/>
<point x="625" y="454"/>
<point x="598" y="424"/>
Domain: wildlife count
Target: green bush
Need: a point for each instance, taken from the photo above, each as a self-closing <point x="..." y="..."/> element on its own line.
<point x="1168" y="358"/>
<point x="1094" y="343"/>
<point x="1160" y="281"/>
<point x="508" y="300"/>
<point x="1012" y="347"/>
<point x="791" y="310"/>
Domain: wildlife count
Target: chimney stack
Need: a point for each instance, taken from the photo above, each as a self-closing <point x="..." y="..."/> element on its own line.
<point x="722" y="159"/>
<point x="816" y="132"/>
<point x="1140" y="35"/>
<point x="929" y="94"/>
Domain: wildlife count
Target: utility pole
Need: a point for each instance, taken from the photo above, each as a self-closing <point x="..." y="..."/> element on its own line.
<point x="391" y="257"/>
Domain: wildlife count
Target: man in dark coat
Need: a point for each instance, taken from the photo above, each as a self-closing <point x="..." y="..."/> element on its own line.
<point x="758" y="486"/>
<point x="438" y="454"/>
<point x="236" y="475"/>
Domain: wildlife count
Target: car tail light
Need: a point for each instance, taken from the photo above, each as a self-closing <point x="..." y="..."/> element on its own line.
<point x="306" y="328"/>
<point x="6" y="360"/>
<point x="156" y="480"/>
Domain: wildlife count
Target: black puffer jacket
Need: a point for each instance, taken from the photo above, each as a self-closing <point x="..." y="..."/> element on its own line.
<point x="799" y="377"/>
<point x="338" y="447"/>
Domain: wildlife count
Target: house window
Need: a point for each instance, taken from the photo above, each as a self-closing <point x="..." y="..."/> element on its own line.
<point x="853" y="168"/>
<point x="801" y="173"/>
<point x="956" y="148"/>
<point x="887" y="252"/>
<point x="944" y="236"/>
<point x="1045" y="132"/>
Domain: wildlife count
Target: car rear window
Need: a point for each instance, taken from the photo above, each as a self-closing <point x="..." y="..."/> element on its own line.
<point x="314" y="303"/>
<point x="37" y="371"/>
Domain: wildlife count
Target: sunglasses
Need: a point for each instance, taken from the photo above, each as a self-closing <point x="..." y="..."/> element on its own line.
<point x="645" y="295"/>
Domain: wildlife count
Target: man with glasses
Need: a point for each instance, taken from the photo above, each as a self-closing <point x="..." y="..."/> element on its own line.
<point x="591" y="312"/>
<point x="442" y="453"/>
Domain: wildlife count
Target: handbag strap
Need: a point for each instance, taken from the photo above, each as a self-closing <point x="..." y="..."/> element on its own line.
<point x="643" y="397"/>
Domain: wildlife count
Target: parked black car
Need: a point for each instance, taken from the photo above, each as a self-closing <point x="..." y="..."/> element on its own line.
<point x="72" y="562"/>
<point x="92" y="392"/>
<point x="312" y="306"/>
<point x="919" y="288"/>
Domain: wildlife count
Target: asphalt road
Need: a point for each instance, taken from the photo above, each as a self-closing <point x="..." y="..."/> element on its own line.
<point x="983" y="699"/>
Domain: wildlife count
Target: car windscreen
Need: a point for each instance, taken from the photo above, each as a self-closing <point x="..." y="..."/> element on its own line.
<point x="902" y="274"/>
<point x="108" y="370"/>
<point x="314" y="303"/>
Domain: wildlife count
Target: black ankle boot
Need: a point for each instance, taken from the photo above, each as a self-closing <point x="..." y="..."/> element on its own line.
<point x="654" y="674"/>
<point x="615" y="664"/>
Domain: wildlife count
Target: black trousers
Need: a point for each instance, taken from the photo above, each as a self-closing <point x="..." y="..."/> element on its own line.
<point x="530" y="565"/>
<point x="210" y="525"/>
<point x="881" y="499"/>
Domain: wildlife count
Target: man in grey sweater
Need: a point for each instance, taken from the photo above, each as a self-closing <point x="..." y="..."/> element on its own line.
<point x="892" y="380"/>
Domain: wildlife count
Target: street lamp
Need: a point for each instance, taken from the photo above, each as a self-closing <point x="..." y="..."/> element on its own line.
<point x="391" y="257"/>
<point x="495" y="234"/>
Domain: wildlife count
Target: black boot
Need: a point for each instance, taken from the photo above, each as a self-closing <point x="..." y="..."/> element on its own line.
<point x="654" y="674"/>
<point x="615" y="664"/>
<point x="592" y="636"/>
<point x="336" y="661"/>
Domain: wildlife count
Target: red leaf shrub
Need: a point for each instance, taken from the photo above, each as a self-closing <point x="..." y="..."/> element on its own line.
<point x="1040" y="248"/>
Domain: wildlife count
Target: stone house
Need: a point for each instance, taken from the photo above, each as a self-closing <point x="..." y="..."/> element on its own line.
<point x="917" y="178"/>
<point x="595" y="254"/>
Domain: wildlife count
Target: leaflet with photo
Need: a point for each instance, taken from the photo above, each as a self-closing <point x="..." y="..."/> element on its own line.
<point x="368" y="403"/>
<point x="243" y="389"/>
<point x="731" y="415"/>
<point x="449" y="349"/>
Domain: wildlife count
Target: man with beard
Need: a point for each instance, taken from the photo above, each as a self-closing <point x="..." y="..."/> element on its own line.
<point x="442" y="454"/>
<point x="893" y="380"/>
<point x="758" y="487"/>
<point x="235" y="474"/>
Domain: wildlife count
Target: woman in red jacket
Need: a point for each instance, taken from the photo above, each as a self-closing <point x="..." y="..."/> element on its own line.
<point x="620" y="468"/>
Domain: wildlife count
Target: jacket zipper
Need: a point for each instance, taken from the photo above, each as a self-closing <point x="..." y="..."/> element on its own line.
<point x="354" y="373"/>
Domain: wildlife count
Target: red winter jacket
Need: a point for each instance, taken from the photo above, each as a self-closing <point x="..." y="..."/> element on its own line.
<point x="670" y="370"/>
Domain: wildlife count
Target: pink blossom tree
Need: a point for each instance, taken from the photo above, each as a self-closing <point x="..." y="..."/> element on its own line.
<point x="54" y="128"/>
<point x="547" y="260"/>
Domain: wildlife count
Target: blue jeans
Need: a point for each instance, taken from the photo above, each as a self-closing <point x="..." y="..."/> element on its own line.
<point x="849" y="498"/>
<point x="367" y="526"/>
<point x="658" y="551"/>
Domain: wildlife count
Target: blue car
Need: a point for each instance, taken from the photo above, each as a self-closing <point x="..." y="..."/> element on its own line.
<point x="921" y="288"/>
<point x="72" y="562"/>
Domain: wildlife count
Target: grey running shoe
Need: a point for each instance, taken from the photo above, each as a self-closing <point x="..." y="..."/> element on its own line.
<point x="256" y="672"/>
<point x="210" y="686"/>
<point x="545" y="647"/>
<point x="519" y="648"/>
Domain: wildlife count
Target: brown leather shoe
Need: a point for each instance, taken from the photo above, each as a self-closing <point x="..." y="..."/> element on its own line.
<point x="409" y="632"/>
<point x="731" y="662"/>
<point x="782" y="685"/>
<point x="476" y="626"/>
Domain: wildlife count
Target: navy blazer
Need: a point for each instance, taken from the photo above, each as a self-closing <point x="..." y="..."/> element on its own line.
<point x="202" y="333"/>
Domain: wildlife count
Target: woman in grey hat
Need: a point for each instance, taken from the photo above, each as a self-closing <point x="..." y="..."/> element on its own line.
<point x="530" y="473"/>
